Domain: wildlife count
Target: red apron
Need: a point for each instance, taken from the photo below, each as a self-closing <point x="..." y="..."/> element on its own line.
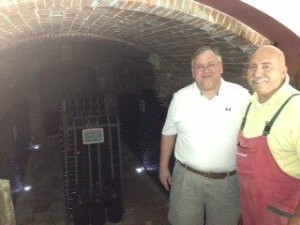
<point x="268" y="195"/>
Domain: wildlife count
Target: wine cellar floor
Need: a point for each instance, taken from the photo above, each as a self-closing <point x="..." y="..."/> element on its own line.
<point x="144" y="203"/>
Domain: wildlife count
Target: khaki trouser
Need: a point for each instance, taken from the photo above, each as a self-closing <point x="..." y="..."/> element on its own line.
<point x="7" y="215"/>
<point x="193" y="196"/>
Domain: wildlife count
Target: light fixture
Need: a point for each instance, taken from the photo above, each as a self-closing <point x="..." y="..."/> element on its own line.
<point x="139" y="169"/>
<point x="34" y="146"/>
<point x="27" y="188"/>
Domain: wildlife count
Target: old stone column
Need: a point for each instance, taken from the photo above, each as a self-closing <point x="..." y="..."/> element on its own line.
<point x="7" y="215"/>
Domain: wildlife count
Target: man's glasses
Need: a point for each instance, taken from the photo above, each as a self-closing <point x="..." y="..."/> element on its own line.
<point x="210" y="67"/>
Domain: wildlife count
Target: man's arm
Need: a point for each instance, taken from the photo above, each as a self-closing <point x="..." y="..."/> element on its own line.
<point x="166" y="149"/>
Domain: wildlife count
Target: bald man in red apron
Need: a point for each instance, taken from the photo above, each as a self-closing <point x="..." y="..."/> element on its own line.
<point x="268" y="158"/>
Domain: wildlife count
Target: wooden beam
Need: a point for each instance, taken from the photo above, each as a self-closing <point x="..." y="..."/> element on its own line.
<point x="7" y="215"/>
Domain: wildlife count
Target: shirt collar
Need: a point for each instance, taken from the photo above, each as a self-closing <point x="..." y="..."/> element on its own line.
<point x="195" y="87"/>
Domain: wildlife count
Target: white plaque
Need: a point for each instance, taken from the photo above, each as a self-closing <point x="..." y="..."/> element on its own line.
<point x="92" y="136"/>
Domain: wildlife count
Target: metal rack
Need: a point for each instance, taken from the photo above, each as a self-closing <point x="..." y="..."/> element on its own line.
<point x="91" y="155"/>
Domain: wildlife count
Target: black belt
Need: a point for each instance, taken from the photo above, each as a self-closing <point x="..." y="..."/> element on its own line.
<point x="210" y="175"/>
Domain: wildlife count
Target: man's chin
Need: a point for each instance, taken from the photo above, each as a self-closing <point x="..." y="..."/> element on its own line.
<point x="258" y="87"/>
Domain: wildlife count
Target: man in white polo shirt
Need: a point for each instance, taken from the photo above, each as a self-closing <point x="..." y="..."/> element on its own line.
<point x="202" y="124"/>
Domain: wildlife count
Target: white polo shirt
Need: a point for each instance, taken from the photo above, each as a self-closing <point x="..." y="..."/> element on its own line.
<point x="207" y="129"/>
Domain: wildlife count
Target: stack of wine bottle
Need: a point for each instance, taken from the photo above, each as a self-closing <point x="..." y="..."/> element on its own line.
<point x="151" y="122"/>
<point x="142" y="117"/>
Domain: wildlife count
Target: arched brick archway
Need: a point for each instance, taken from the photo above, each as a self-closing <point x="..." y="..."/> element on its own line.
<point x="171" y="29"/>
<point x="167" y="32"/>
<point x="153" y="41"/>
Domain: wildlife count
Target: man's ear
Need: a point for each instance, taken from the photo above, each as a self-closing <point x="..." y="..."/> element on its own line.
<point x="284" y="72"/>
<point x="192" y="69"/>
<point x="221" y="68"/>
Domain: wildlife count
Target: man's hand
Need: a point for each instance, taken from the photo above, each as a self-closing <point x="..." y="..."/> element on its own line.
<point x="165" y="177"/>
<point x="166" y="149"/>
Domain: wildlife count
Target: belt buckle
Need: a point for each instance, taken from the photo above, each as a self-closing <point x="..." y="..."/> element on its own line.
<point x="207" y="175"/>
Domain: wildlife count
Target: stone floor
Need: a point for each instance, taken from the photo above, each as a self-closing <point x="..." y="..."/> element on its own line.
<point x="144" y="202"/>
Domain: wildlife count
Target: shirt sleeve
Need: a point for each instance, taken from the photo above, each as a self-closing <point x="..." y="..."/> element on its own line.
<point x="298" y="148"/>
<point x="297" y="135"/>
<point x="293" y="116"/>
<point x="169" y="127"/>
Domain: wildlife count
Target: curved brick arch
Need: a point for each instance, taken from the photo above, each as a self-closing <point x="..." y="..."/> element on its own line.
<point x="191" y="11"/>
<point x="170" y="29"/>
<point x="24" y="16"/>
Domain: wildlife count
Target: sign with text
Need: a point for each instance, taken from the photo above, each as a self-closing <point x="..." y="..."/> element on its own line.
<point x="92" y="136"/>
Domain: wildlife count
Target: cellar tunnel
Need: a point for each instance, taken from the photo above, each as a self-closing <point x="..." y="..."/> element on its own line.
<point x="132" y="55"/>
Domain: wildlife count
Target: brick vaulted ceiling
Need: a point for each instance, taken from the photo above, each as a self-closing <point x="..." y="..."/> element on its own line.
<point x="172" y="29"/>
